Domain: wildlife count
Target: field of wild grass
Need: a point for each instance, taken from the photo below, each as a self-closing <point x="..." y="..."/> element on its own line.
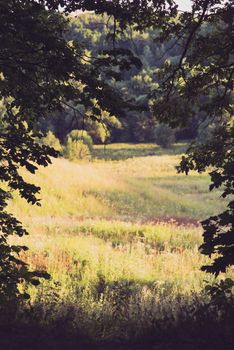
<point x="132" y="183"/>
<point x="119" y="236"/>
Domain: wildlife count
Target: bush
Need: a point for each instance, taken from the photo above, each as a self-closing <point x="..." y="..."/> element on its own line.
<point x="101" y="130"/>
<point x="205" y="132"/>
<point x="81" y="136"/>
<point x="76" y="150"/>
<point x="164" y="136"/>
<point x="51" y="140"/>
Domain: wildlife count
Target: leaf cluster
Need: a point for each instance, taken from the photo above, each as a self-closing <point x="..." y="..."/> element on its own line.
<point x="41" y="72"/>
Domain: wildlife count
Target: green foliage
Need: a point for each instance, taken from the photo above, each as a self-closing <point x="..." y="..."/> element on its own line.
<point x="48" y="72"/>
<point x="26" y="89"/>
<point x="102" y="128"/>
<point x="218" y="229"/>
<point x="164" y="136"/>
<point x="79" y="145"/>
<point x="91" y="30"/>
<point x="200" y="83"/>
<point x="98" y="131"/>
<point x="196" y="82"/>
<point x="205" y="132"/>
<point x="41" y="72"/>
<point x="80" y="135"/>
<point x="76" y="150"/>
<point x="50" y="140"/>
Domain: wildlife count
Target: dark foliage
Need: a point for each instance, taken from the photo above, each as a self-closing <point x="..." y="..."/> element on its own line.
<point x="40" y="73"/>
<point x="198" y="83"/>
<point x="202" y="83"/>
<point x="95" y="34"/>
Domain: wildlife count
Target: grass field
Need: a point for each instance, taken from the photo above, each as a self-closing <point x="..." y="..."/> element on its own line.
<point x="120" y="237"/>
<point x="132" y="189"/>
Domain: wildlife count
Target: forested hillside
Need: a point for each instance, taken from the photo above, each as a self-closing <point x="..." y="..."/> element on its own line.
<point x="135" y="83"/>
<point x="113" y="246"/>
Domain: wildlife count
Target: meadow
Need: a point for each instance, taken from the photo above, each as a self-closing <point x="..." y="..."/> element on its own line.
<point x="119" y="236"/>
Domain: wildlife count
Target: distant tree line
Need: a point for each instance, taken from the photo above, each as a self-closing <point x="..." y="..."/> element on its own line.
<point x="185" y="82"/>
<point x="93" y="32"/>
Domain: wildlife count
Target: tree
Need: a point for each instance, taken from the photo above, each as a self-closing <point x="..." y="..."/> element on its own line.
<point x="198" y="81"/>
<point x="164" y="136"/>
<point x="92" y="31"/>
<point x="51" y="140"/>
<point x="41" y="72"/>
<point x="201" y="82"/>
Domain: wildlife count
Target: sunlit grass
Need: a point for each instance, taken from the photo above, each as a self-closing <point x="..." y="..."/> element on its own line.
<point x="118" y="237"/>
<point x="136" y="188"/>
<point x="117" y="251"/>
<point x="121" y="151"/>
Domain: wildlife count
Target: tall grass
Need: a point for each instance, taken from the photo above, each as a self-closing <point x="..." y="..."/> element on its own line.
<point x="140" y="188"/>
<point x="120" y="240"/>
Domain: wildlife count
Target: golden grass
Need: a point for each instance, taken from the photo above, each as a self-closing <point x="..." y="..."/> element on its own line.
<point x="138" y="188"/>
<point x="164" y="258"/>
<point x="107" y="230"/>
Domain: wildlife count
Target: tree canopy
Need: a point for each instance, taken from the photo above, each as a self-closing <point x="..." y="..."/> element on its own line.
<point x="199" y="82"/>
<point x="42" y="72"/>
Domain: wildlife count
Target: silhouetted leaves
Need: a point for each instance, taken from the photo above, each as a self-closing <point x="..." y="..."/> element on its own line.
<point x="41" y="73"/>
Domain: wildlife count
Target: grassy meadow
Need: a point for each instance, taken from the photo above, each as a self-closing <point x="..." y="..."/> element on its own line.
<point x="119" y="236"/>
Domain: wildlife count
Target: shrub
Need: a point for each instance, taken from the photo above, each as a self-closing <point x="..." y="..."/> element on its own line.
<point x="101" y="130"/>
<point x="82" y="136"/>
<point x="76" y="150"/>
<point x="205" y="132"/>
<point x="164" y="136"/>
<point x="50" y="140"/>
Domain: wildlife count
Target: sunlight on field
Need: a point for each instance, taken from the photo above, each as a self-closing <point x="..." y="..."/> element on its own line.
<point x="138" y="188"/>
<point x="144" y="254"/>
<point x="114" y="234"/>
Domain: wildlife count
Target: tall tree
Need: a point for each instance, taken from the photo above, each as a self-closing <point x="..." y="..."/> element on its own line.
<point x="40" y="72"/>
<point x="199" y="82"/>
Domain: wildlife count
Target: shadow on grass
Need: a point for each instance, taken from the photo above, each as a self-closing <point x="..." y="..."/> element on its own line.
<point x="26" y="337"/>
<point x="209" y="334"/>
<point x="183" y="322"/>
<point x="125" y="151"/>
